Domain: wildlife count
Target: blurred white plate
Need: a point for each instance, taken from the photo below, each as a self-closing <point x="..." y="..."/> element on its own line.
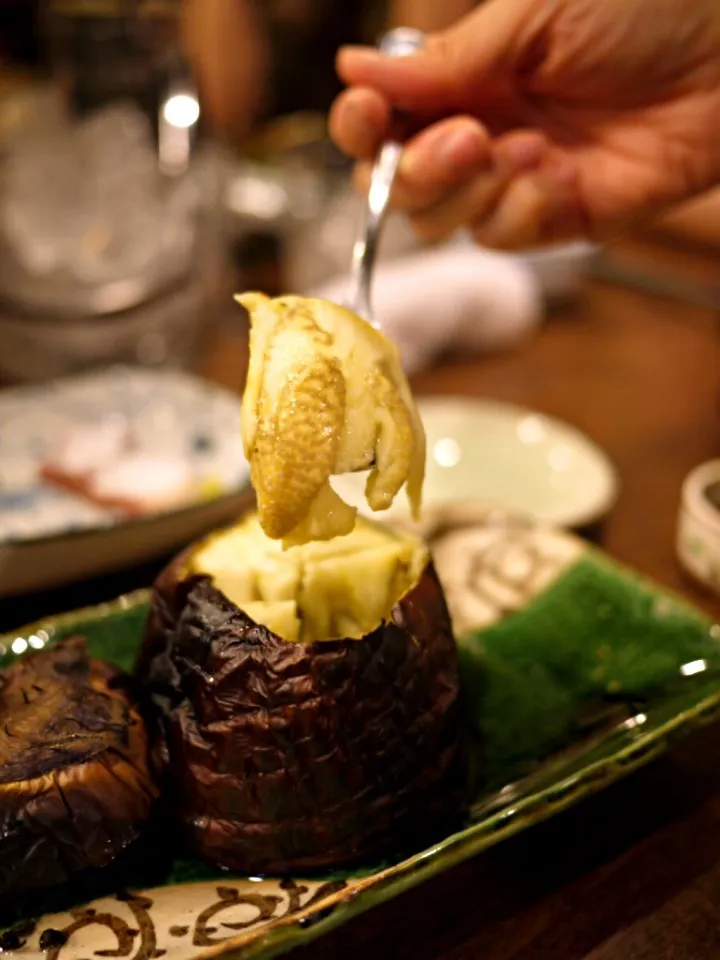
<point x="49" y="536"/>
<point x="505" y="456"/>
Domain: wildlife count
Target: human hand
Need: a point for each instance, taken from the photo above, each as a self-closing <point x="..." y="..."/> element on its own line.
<point x="544" y="119"/>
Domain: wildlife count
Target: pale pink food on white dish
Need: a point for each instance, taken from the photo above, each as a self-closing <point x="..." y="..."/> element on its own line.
<point x="98" y="462"/>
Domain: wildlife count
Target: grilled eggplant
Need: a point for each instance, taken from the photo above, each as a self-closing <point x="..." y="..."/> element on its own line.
<point x="75" y="767"/>
<point x="309" y="697"/>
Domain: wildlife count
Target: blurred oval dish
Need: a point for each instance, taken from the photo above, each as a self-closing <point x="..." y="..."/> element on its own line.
<point x="506" y="456"/>
<point x="112" y="469"/>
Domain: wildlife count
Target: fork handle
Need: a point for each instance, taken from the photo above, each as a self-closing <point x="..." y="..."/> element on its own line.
<point x="400" y="42"/>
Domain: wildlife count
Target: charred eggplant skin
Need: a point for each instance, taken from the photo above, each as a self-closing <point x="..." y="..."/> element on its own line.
<point x="76" y="774"/>
<point x="289" y="757"/>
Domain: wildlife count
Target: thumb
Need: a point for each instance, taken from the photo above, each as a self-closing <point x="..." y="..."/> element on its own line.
<point x="459" y="66"/>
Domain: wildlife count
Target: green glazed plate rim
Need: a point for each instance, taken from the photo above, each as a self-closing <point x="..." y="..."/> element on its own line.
<point x="310" y="923"/>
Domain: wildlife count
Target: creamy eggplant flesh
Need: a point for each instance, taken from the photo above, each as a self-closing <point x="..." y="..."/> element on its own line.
<point x="344" y="588"/>
<point x="325" y="395"/>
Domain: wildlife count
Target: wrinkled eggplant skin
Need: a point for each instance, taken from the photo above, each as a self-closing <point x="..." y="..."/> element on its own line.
<point x="76" y="776"/>
<point x="290" y="757"/>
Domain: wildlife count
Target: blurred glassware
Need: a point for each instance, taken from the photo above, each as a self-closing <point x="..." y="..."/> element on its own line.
<point x="111" y="245"/>
<point x="294" y="184"/>
<point x="322" y="247"/>
<point x="283" y="178"/>
<point x="106" y="50"/>
<point x="87" y="223"/>
<point x="168" y="330"/>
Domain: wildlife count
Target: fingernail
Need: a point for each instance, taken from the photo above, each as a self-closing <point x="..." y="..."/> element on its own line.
<point x="357" y="56"/>
<point x="462" y="150"/>
<point x="452" y="154"/>
<point x="521" y="155"/>
<point x="563" y="174"/>
<point x="356" y="117"/>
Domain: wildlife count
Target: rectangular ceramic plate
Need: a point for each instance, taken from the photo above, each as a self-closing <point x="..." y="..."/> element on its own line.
<point x="49" y="535"/>
<point x="575" y="673"/>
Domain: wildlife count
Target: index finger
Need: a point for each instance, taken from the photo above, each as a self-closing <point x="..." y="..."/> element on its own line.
<point x="424" y="80"/>
<point x="359" y="121"/>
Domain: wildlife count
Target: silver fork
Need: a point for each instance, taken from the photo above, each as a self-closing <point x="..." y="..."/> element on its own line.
<point x="397" y="43"/>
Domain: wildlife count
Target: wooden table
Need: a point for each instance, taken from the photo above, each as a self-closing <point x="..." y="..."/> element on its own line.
<point x="634" y="873"/>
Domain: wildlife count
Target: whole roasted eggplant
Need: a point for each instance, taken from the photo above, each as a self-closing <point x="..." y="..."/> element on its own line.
<point x="75" y="767"/>
<point x="309" y="697"/>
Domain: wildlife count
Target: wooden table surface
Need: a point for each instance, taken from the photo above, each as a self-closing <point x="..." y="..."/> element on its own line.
<point x="633" y="873"/>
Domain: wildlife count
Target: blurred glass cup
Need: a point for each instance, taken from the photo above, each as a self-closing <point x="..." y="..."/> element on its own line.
<point x="101" y="51"/>
<point x="111" y="247"/>
<point x="294" y="184"/>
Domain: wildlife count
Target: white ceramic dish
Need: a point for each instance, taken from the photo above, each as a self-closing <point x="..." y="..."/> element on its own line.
<point x="179" y="429"/>
<point x="509" y="457"/>
<point x="698" y="532"/>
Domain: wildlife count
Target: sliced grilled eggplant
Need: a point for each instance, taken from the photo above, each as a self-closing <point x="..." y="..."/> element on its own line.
<point x="309" y="697"/>
<point x="75" y="771"/>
